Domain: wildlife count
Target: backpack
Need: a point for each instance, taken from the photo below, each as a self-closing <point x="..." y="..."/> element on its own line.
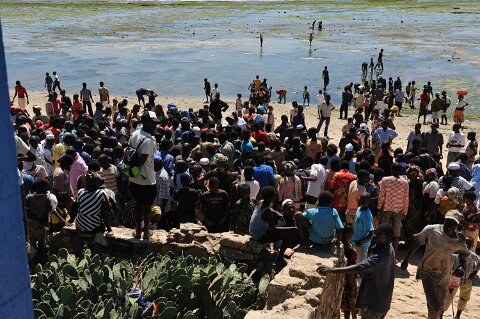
<point x="130" y="160"/>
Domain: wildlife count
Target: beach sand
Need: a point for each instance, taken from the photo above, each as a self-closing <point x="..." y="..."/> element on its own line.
<point x="409" y="300"/>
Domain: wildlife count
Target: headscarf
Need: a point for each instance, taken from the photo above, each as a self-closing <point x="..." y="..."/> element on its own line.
<point x="289" y="167"/>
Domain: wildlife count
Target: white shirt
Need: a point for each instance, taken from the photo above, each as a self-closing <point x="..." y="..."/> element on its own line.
<point x="431" y="189"/>
<point x="456" y="139"/>
<point x="320" y="100"/>
<point x="254" y="188"/>
<point x="315" y="187"/>
<point x="214" y="91"/>
<point x="326" y="110"/>
<point x="149" y="147"/>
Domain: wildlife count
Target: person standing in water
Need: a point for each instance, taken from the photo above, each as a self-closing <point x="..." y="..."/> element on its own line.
<point x="261" y="40"/>
<point x="380" y="58"/>
<point x="326" y="78"/>
<point x="208" y="90"/>
<point x="320" y="25"/>
<point x="310" y="38"/>
<point x="313" y="24"/>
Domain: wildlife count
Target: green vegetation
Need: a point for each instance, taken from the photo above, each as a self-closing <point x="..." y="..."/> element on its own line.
<point x="178" y="288"/>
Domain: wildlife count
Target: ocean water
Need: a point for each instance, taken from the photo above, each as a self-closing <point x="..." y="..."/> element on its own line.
<point x="171" y="47"/>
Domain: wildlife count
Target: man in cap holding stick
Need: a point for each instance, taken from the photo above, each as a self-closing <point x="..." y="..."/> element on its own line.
<point x="441" y="241"/>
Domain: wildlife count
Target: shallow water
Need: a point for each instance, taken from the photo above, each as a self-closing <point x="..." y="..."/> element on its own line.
<point x="171" y="46"/>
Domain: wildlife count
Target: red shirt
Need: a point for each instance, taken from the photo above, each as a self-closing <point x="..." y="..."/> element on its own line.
<point x="261" y="136"/>
<point x="56" y="105"/>
<point x="424" y="99"/>
<point x="20" y="90"/>
<point x="75" y="107"/>
<point x="339" y="186"/>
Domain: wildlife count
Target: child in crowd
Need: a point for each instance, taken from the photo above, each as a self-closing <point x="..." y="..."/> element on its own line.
<point x="60" y="216"/>
<point x="430" y="189"/>
<point x="39" y="205"/>
<point x="472" y="149"/>
<point x="349" y="295"/>
<point x="239" y="105"/>
<point x="469" y="210"/>
<point x="472" y="265"/>
<point x="346" y="128"/>
<point x="243" y="210"/>
<point x="363" y="227"/>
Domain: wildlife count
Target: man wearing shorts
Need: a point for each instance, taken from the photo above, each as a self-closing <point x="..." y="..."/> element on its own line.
<point x="22" y="96"/>
<point x="142" y="187"/>
<point x="437" y="106"/>
<point x="104" y="95"/>
<point x="393" y="202"/>
<point x="141" y="92"/>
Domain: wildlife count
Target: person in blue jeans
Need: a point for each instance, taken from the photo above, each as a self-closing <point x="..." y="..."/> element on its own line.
<point x="322" y="224"/>
<point x="363" y="227"/>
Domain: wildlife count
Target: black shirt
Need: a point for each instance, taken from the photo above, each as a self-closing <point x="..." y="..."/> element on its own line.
<point x="215" y="205"/>
<point x="378" y="279"/>
<point x="187" y="199"/>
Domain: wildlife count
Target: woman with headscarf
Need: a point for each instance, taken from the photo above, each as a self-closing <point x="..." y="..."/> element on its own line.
<point x="415" y="218"/>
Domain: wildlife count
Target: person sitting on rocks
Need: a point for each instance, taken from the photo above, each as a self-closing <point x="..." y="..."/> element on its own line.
<point x="322" y="224"/>
<point x="263" y="225"/>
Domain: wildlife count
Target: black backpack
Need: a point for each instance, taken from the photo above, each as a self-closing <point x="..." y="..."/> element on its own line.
<point x="130" y="160"/>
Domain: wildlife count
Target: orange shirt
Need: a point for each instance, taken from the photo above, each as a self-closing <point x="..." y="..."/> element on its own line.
<point x="340" y="185"/>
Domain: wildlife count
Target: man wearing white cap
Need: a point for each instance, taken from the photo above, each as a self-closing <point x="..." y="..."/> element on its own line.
<point x="441" y="242"/>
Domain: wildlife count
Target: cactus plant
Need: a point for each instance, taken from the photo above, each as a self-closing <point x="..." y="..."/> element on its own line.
<point x="177" y="287"/>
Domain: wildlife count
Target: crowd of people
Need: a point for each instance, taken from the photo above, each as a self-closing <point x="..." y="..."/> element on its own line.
<point x="150" y="166"/>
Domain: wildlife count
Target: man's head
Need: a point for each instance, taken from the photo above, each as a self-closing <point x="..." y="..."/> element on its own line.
<point x="244" y="191"/>
<point x="101" y="84"/>
<point x="384" y="233"/>
<point x="364" y="200"/>
<point x="325" y="199"/>
<point x="396" y="169"/>
<point x="214" y="184"/>
<point x="418" y="127"/>
<point x="453" y="218"/>
<point x="384" y="125"/>
<point x="103" y="161"/>
<point x="363" y="177"/>
<point x="149" y="121"/>
<point x="268" y="194"/>
<point x="434" y="127"/>
<point x="456" y="128"/>
<point x="288" y="208"/>
<point x="453" y="169"/>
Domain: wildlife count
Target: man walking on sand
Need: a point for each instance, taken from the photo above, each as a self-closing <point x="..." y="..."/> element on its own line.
<point x="104" y="95"/>
<point x="378" y="276"/>
<point x="22" y="96"/>
<point x="87" y="99"/>
<point x="441" y="241"/>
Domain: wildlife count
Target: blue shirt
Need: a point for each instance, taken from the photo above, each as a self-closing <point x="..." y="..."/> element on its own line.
<point x="263" y="174"/>
<point x="167" y="162"/>
<point x="362" y="226"/>
<point x="325" y="223"/>
<point x="384" y="135"/>
<point x="298" y="119"/>
<point x="246" y="147"/>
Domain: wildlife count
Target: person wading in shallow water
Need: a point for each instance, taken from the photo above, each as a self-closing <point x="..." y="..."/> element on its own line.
<point x="261" y="40"/>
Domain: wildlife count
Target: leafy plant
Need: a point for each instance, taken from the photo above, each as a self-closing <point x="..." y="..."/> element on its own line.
<point x="171" y="288"/>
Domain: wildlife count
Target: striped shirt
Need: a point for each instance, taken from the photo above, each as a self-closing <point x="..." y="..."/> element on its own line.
<point x="393" y="195"/>
<point x="110" y="176"/>
<point x="89" y="209"/>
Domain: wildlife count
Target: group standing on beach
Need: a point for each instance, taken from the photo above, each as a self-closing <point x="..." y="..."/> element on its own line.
<point x="151" y="166"/>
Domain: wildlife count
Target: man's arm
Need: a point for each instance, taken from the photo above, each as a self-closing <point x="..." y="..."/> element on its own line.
<point x="353" y="269"/>
<point x="26" y="94"/>
<point x="14" y="96"/>
<point x="414" y="245"/>
<point x="91" y="97"/>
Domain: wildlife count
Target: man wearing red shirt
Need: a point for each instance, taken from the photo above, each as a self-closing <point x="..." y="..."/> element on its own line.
<point x="21" y="93"/>
<point x="259" y="135"/>
<point x="424" y="100"/>
<point x="339" y="185"/>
